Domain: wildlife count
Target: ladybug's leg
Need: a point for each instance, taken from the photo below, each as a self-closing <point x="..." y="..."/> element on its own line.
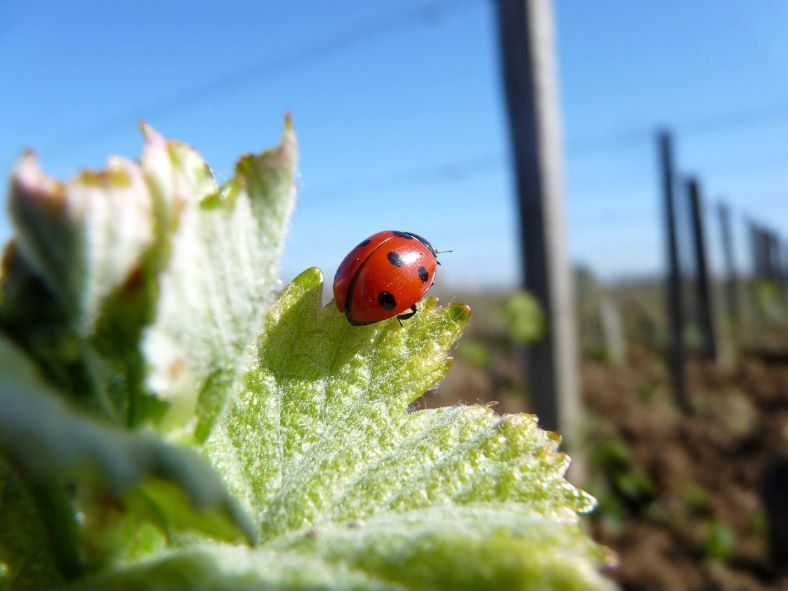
<point x="407" y="315"/>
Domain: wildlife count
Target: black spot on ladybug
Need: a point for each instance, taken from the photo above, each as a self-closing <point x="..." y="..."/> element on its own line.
<point x="395" y="259"/>
<point x="387" y="300"/>
<point x="363" y="243"/>
<point x="423" y="275"/>
<point x="407" y="235"/>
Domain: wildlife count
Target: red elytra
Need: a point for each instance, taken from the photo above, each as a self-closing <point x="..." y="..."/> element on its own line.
<point x="383" y="276"/>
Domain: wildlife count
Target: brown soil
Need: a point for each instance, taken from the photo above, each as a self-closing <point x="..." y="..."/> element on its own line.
<point x="681" y="495"/>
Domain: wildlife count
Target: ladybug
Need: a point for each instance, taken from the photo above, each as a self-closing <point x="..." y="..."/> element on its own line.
<point x="384" y="276"/>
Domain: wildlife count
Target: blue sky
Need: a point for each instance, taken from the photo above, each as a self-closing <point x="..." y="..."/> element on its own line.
<point x="399" y="111"/>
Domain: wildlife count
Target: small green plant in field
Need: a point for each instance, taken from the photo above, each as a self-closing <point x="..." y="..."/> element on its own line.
<point x="770" y="301"/>
<point x="635" y="486"/>
<point x="611" y="455"/>
<point x="611" y="513"/>
<point x="719" y="542"/>
<point x="524" y="318"/>
<point x="168" y="423"/>
<point x="475" y="354"/>
<point x="696" y="499"/>
<point x="631" y="487"/>
<point x="599" y="353"/>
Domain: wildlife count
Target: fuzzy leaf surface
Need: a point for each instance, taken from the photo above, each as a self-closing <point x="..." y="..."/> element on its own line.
<point x="468" y="548"/>
<point x="220" y="275"/>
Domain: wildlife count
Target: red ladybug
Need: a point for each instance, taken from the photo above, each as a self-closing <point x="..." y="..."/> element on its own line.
<point x="383" y="276"/>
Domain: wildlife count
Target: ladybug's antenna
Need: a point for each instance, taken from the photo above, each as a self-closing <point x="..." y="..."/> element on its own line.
<point x="437" y="252"/>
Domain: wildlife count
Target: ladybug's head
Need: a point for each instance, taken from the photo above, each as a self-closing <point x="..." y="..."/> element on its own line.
<point x="426" y="243"/>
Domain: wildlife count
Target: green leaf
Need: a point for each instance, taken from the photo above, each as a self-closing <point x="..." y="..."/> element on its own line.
<point x="35" y="317"/>
<point x="219" y="278"/>
<point x="441" y="548"/>
<point x="50" y="446"/>
<point x="320" y="445"/>
<point x="26" y="561"/>
<point x="479" y="546"/>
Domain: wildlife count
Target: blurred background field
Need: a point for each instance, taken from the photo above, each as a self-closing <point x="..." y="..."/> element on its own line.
<point x="402" y="123"/>
<point x="682" y="495"/>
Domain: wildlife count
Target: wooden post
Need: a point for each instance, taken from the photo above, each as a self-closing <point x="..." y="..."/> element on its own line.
<point x="529" y="72"/>
<point x="731" y="280"/>
<point x="764" y="246"/>
<point x="755" y="253"/>
<point x="776" y="265"/>
<point x="761" y="264"/>
<point x="782" y="266"/>
<point x="754" y="312"/>
<point x="775" y="259"/>
<point x="705" y="303"/>
<point x="774" y="255"/>
<point x="774" y="492"/>
<point x="676" y="354"/>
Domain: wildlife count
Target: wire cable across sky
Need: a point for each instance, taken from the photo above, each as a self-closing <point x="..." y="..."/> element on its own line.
<point x="231" y="82"/>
